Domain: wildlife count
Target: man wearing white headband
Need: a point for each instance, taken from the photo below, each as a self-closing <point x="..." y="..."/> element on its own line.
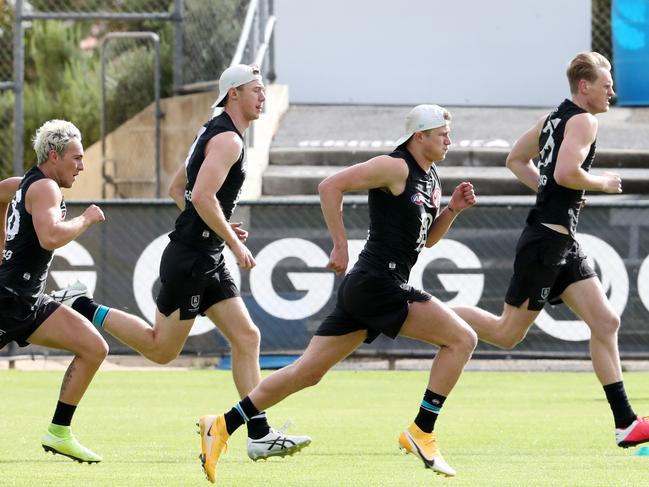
<point x="550" y="266"/>
<point x="374" y="297"/>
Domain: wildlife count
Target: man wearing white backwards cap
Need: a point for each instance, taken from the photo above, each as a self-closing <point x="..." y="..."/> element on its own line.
<point x="193" y="276"/>
<point x="192" y="272"/>
<point x="374" y="297"/>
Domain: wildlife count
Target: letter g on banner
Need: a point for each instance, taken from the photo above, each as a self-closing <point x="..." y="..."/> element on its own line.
<point x="615" y="282"/>
<point x="318" y="285"/>
<point x="468" y="286"/>
<point x="643" y="283"/>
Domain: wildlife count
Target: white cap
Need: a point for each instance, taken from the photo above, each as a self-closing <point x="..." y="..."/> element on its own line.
<point x="423" y="117"/>
<point x="235" y="76"/>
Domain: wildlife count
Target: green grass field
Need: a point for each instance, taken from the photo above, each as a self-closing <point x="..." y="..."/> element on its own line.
<point x="497" y="429"/>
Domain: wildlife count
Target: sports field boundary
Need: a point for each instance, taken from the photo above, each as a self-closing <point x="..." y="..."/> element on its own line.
<point x="186" y="362"/>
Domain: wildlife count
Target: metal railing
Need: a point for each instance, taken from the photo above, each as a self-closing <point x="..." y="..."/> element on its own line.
<point x="255" y="43"/>
<point x="23" y="15"/>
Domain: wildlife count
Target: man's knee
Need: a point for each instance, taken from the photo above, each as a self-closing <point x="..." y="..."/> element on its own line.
<point x="162" y="356"/>
<point x="512" y="330"/>
<point x="607" y="326"/>
<point x="308" y="377"/>
<point x="509" y="341"/>
<point x="468" y="340"/>
<point x="96" y="352"/>
<point x="247" y="338"/>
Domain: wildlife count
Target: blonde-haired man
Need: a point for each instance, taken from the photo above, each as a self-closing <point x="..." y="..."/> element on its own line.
<point x="36" y="226"/>
<point x="550" y="265"/>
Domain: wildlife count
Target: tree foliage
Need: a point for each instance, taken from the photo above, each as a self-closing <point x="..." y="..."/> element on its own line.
<point x="62" y="80"/>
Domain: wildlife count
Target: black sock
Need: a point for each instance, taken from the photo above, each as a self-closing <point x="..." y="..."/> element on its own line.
<point x="258" y="426"/>
<point x="63" y="414"/>
<point x="241" y="413"/>
<point x="94" y="312"/>
<point x="429" y="410"/>
<point x="85" y="306"/>
<point x="622" y="411"/>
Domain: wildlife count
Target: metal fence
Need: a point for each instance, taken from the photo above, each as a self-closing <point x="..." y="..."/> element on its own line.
<point x="289" y="291"/>
<point x="601" y="28"/>
<point x="199" y="38"/>
<point x="6" y="90"/>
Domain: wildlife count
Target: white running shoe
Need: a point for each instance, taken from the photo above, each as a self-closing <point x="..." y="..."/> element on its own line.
<point x="276" y="444"/>
<point x="69" y="294"/>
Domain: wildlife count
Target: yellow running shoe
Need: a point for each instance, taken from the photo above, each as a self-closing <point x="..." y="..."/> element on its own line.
<point x="415" y="441"/>
<point x="60" y="440"/>
<point x="214" y="441"/>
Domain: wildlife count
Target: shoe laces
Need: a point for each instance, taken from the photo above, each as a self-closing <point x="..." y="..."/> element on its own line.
<point x="429" y="442"/>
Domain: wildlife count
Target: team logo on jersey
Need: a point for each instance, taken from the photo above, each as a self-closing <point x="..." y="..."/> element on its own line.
<point x="545" y="292"/>
<point x="418" y="199"/>
<point x="195" y="301"/>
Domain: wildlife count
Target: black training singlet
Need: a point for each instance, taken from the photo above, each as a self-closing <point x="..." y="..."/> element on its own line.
<point x="25" y="263"/>
<point x="399" y="225"/>
<point x="190" y="229"/>
<point x="554" y="203"/>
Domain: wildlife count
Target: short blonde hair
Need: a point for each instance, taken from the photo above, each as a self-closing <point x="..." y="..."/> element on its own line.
<point x="54" y="135"/>
<point x="585" y="65"/>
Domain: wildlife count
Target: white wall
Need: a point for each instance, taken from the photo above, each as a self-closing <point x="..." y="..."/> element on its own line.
<point x="453" y="52"/>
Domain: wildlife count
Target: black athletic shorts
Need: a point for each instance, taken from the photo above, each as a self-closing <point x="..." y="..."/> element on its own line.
<point x="547" y="262"/>
<point x="371" y="300"/>
<point x="20" y="318"/>
<point x="192" y="281"/>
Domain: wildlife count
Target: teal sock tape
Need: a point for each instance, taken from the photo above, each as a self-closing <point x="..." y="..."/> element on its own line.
<point x="100" y="315"/>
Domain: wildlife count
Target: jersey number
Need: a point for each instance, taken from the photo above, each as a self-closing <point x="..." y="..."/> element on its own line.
<point x="13" y="222"/>
<point x="426" y="222"/>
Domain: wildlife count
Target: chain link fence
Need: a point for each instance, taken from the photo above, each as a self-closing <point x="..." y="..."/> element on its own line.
<point x="211" y="33"/>
<point x="6" y="90"/>
<point x="289" y="291"/>
<point x="98" y="6"/>
<point x="601" y="28"/>
<point x="198" y="39"/>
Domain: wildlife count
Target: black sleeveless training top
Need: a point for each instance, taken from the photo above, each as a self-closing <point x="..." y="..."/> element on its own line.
<point x="25" y="263"/>
<point x="399" y="225"/>
<point x="190" y="229"/>
<point x="554" y="203"/>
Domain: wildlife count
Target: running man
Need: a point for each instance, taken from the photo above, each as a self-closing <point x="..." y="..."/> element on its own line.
<point x="36" y="226"/>
<point x="374" y="297"/>
<point x="193" y="276"/>
<point x="550" y="265"/>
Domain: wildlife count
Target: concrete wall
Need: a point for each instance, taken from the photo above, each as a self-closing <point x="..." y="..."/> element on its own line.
<point x="461" y="52"/>
<point x="130" y="148"/>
